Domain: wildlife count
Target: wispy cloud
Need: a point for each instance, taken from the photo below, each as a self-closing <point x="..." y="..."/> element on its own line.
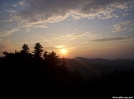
<point x="77" y="35"/>
<point x="40" y="26"/>
<point x="44" y="11"/>
<point x="125" y="14"/>
<point x="5" y="33"/>
<point x="50" y="48"/>
<point x="57" y="38"/>
<point x="15" y="5"/>
<point x="5" y="40"/>
<point x="60" y="46"/>
<point x="121" y="26"/>
<point x="32" y="13"/>
<point x="110" y="39"/>
<point x="23" y="3"/>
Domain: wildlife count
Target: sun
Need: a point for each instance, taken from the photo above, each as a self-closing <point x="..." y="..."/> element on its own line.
<point x="63" y="51"/>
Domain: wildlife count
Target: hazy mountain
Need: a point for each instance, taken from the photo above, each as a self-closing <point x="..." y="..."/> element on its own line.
<point x="116" y="62"/>
<point x="98" y="65"/>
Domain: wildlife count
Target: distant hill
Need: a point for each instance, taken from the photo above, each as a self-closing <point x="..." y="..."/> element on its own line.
<point x="116" y="62"/>
<point x="98" y="65"/>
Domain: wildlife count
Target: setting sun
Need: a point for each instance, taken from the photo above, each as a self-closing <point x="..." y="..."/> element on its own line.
<point x="63" y="51"/>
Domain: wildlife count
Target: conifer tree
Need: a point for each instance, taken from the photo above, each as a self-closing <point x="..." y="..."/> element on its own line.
<point x="38" y="50"/>
<point x="25" y="49"/>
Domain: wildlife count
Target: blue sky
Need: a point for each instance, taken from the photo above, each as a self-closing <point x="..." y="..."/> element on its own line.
<point x="87" y="28"/>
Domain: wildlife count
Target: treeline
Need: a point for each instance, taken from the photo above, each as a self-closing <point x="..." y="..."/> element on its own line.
<point x="37" y="74"/>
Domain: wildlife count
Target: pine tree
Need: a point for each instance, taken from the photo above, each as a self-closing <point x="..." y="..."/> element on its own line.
<point x="25" y="49"/>
<point x="38" y="50"/>
<point x="52" y="58"/>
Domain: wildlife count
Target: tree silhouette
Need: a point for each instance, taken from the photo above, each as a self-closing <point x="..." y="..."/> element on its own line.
<point x="51" y="58"/>
<point x="25" y="49"/>
<point x="38" y="50"/>
<point x="27" y="75"/>
<point x="5" y="53"/>
<point x="51" y="62"/>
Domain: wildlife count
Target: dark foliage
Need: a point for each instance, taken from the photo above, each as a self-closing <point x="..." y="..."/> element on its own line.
<point x="27" y="75"/>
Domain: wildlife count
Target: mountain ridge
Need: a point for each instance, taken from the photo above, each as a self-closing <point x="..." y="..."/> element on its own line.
<point x="99" y="65"/>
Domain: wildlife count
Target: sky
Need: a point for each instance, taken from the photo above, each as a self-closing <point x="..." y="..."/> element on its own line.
<point x="85" y="28"/>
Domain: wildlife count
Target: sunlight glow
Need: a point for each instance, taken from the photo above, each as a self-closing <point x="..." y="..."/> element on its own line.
<point x="63" y="51"/>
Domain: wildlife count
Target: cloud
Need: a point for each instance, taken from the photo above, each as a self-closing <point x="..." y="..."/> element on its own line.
<point x="70" y="48"/>
<point x="57" y="38"/>
<point x="5" y="33"/>
<point x="23" y="3"/>
<point x="49" y="47"/>
<point x="12" y="11"/>
<point x="5" y="40"/>
<point x="60" y="46"/>
<point x="40" y="26"/>
<point x="110" y="39"/>
<point x="49" y="11"/>
<point x="70" y="36"/>
<point x="15" y="5"/>
<point x="121" y="26"/>
<point x="78" y="35"/>
<point x="125" y="14"/>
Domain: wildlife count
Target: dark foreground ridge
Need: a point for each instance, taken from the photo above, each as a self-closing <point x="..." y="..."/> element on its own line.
<point x="41" y="74"/>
